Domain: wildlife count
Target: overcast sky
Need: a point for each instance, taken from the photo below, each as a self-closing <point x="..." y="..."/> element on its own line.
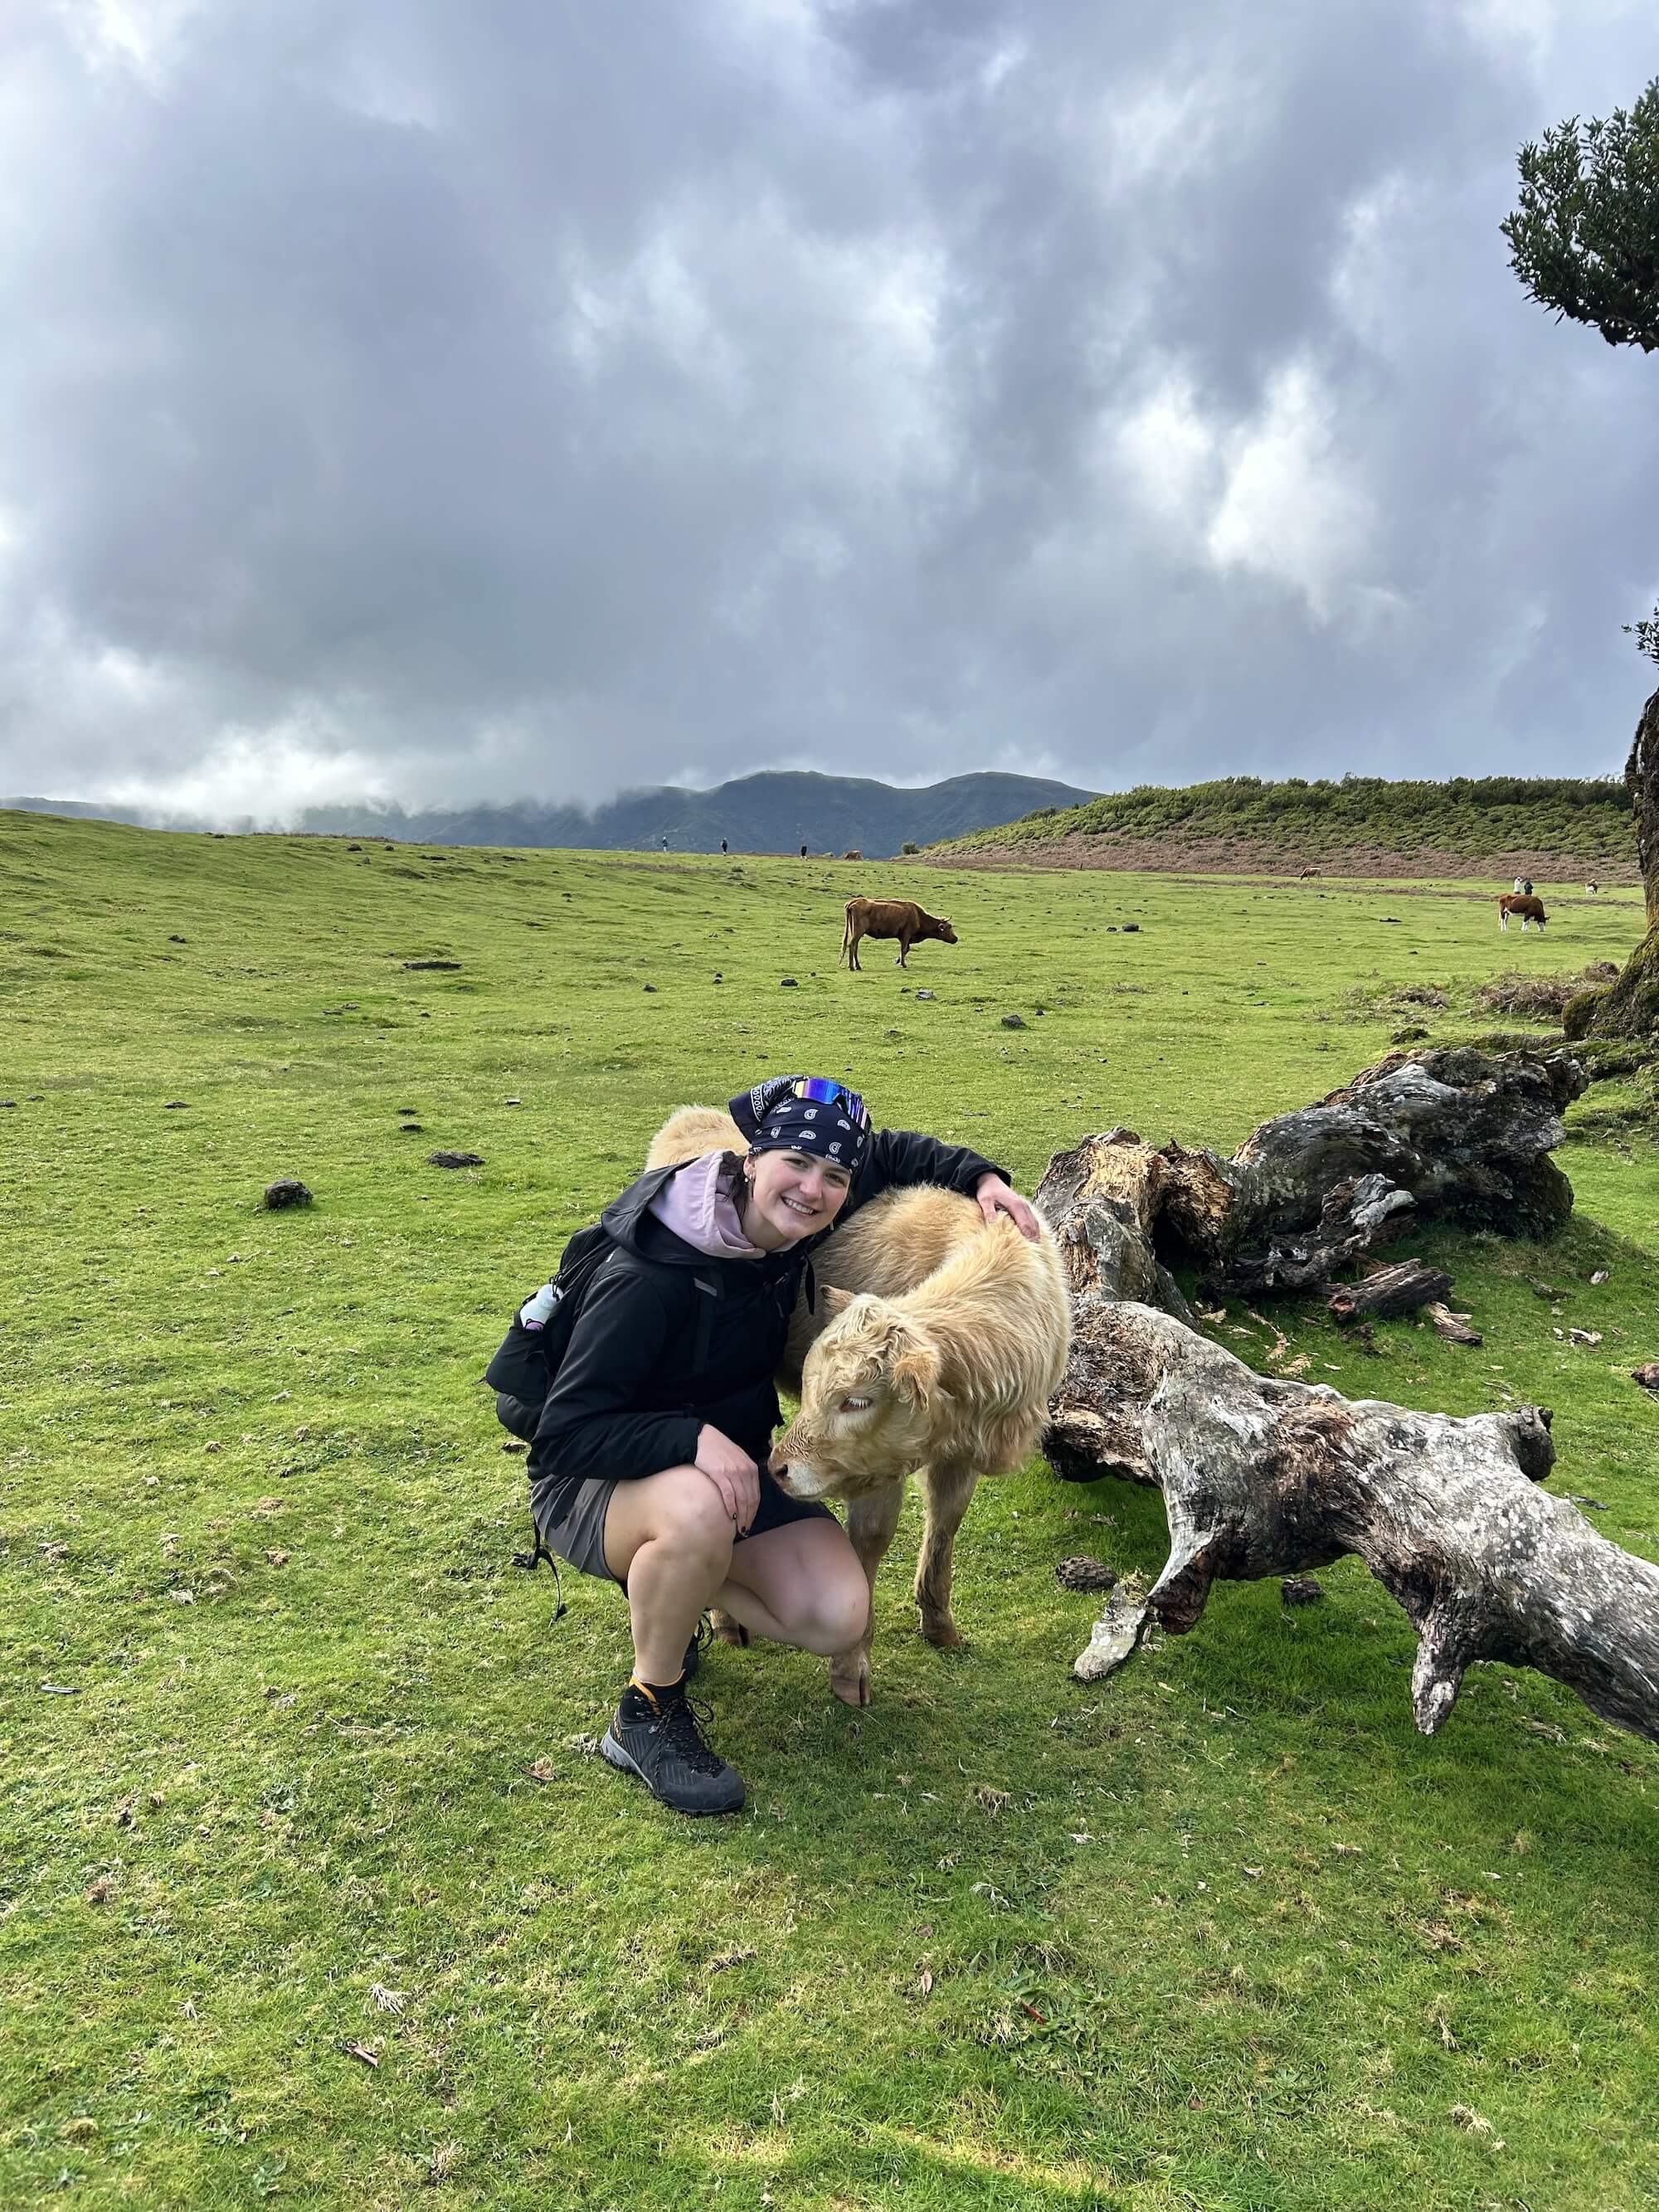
<point x="453" y="402"/>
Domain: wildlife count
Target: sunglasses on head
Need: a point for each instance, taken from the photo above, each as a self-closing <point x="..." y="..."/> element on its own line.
<point x="823" y="1092"/>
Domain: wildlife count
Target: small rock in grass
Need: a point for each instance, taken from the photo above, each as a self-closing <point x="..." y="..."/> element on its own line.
<point x="446" y="966"/>
<point x="1132" y="929"/>
<point x="1301" y="1589"/>
<point x="1413" y="1035"/>
<point x="1544" y="1290"/>
<point x="286" y="1190"/>
<point x="411" y="1128"/>
<point x="512" y="1101"/>
<point x="648" y="987"/>
<point x="1647" y="1375"/>
<point x="1600" y="1275"/>
<point x="924" y="994"/>
<point x="513" y="1445"/>
<point x="1013" y="1022"/>
<point x="176" y="1106"/>
<point x="1086" y="1573"/>
<point x="178" y="940"/>
<point x="454" y="1159"/>
<point x="787" y="983"/>
<point x="7" y="1101"/>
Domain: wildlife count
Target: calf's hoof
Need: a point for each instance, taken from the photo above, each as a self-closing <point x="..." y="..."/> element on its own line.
<point x="849" y="1678"/>
<point x="727" y="1630"/>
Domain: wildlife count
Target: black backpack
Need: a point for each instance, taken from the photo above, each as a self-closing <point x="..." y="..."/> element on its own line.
<point x="521" y="1373"/>
<point x="523" y="1369"/>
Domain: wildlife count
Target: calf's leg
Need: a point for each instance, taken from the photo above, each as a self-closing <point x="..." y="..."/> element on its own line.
<point x="948" y="1489"/>
<point x="871" y="1520"/>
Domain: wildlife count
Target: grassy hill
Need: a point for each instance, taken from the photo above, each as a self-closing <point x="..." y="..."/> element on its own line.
<point x="774" y="811"/>
<point x="311" y="1890"/>
<point x="1556" y="829"/>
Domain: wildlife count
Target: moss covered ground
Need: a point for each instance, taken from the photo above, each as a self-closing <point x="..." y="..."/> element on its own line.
<point x="311" y="1890"/>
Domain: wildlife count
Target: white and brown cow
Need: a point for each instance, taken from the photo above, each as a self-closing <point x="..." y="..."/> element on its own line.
<point x="1523" y="905"/>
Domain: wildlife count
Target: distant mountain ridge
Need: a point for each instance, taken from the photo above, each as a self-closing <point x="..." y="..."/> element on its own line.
<point x="775" y="811"/>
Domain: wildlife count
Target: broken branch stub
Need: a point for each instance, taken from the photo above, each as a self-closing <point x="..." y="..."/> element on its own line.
<point x="1262" y="1477"/>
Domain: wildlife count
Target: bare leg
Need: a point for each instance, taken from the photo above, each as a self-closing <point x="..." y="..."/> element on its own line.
<point x="871" y="1522"/>
<point x="948" y="1489"/>
<point x="669" y="1539"/>
<point x="801" y="1585"/>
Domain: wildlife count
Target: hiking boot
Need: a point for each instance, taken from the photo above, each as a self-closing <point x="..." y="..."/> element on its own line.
<point x="660" y="1740"/>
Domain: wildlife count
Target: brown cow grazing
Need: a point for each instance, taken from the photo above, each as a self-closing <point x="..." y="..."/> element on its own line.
<point x="853" y="855"/>
<point x="900" y="918"/>
<point x="1528" y="908"/>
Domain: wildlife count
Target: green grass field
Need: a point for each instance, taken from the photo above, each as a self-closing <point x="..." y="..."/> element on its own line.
<point x="1224" y="1932"/>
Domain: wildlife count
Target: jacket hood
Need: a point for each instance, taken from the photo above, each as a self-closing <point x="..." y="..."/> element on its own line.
<point x="630" y="1220"/>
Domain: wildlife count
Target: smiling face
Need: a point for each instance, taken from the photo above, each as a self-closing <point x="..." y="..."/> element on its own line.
<point x="790" y="1195"/>
<point x="867" y="1395"/>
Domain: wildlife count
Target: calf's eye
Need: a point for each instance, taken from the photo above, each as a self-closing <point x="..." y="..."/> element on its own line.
<point x="853" y="1406"/>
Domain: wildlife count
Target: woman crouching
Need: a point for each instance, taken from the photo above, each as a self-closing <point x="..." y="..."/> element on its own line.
<point x="648" y="1464"/>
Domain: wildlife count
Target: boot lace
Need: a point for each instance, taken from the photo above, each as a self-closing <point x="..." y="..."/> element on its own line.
<point x="676" y="1729"/>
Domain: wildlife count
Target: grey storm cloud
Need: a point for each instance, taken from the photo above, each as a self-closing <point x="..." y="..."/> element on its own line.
<point x="455" y="404"/>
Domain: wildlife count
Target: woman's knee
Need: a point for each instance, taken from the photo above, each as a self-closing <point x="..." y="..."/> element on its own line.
<point x="689" y="1513"/>
<point x="681" y="1509"/>
<point x="832" y="1612"/>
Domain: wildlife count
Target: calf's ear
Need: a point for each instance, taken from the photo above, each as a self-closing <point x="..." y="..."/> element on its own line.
<point x="916" y="1372"/>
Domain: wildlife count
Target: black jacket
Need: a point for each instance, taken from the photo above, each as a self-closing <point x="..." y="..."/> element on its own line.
<point x="628" y="1399"/>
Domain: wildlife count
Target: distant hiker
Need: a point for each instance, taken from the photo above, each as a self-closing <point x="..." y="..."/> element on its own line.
<point x="803" y="851"/>
<point x="664" y="844"/>
<point x="1519" y="889"/>
<point x="722" y="844"/>
<point x="648" y="1450"/>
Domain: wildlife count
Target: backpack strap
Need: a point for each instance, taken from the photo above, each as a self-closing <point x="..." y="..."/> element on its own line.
<point x="531" y="1560"/>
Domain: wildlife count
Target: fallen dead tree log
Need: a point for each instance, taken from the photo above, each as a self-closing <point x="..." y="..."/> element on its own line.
<point x="1263" y="1477"/>
<point x="1449" y="1131"/>
<point x="1388" y="1293"/>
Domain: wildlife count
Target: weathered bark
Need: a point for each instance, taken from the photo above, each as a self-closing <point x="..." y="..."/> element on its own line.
<point x="1641" y="782"/>
<point x="1455" y="1327"/>
<point x="1263" y="1477"/>
<point x="1630" y="1007"/>
<point x="1450" y="1131"/>
<point x="1388" y="1293"/>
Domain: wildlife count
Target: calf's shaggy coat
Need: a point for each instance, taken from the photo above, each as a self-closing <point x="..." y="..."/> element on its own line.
<point x="939" y="1340"/>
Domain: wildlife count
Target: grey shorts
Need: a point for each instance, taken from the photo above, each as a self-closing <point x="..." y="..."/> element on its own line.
<point x="571" y="1518"/>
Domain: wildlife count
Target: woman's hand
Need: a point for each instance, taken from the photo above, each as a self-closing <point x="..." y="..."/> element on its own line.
<point x="995" y="1197"/>
<point x="733" y="1473"/>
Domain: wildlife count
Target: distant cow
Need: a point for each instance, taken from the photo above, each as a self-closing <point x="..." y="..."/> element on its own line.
<point x="1592" y="887"/>
<point x="853" y="855"/>
<point x="1529" y="909"/>
<point x="900" y="918"/>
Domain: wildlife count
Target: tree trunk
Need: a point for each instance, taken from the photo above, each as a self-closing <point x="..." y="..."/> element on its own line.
<point x="1451" y="1132"/>
<point x="1263" y="1477"/>
<point x="1630" y="1006"/>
